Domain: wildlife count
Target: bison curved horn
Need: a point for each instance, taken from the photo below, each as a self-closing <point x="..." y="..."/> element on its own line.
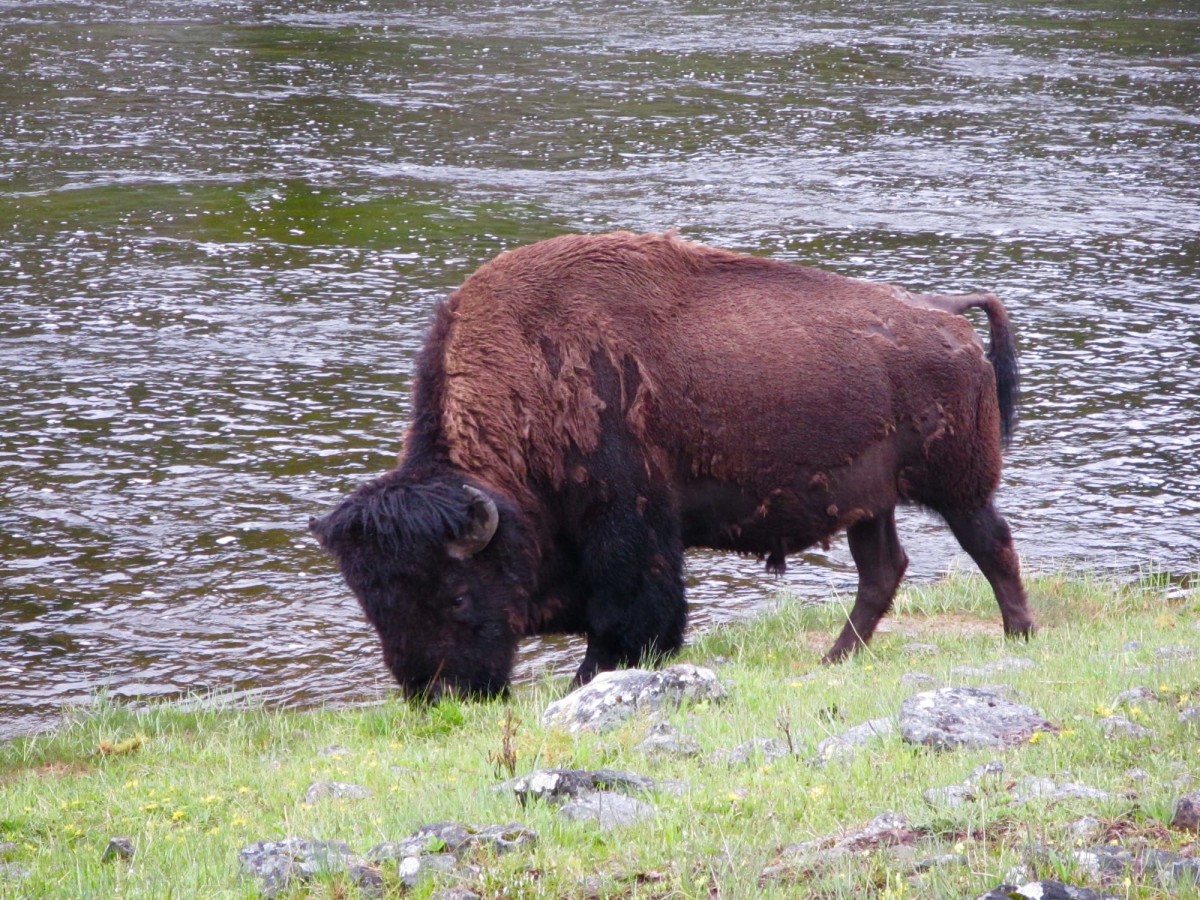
<point x="485" y="519"/>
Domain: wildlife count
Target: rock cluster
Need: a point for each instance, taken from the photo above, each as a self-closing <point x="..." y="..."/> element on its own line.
<point x="941" y="719"/>
<point x="432" y="851"/>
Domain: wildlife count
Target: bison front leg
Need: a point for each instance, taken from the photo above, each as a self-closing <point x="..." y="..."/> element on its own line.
<point x="632" y="560"/>
<point x="881" y="562"/>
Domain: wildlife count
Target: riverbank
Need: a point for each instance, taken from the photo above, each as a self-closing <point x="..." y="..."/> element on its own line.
<point x="743" y="800"/>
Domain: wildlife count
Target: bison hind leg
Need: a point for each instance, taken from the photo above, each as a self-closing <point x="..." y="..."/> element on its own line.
<point x="881" y="562"/>
<point x="986" y="537"/>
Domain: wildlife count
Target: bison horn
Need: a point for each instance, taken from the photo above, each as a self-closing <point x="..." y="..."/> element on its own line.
<point x="485" y="518"/>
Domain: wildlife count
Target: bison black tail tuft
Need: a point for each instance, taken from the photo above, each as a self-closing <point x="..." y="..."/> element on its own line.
<point x="1002" y="354"/>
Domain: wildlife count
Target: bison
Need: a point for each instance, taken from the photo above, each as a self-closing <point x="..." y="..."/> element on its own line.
<point x="587" y="407"/>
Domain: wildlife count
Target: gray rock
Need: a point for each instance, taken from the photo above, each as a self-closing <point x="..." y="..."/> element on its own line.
<point x="397" y="851"/>
<point x="7" y="848"/>
<point x="953" y="718"/>
<point x="1175" y="654"/>
<point x="937" y="862"/>
<point x="506" y="838"/>
<point x="1051" y="791"/>
<point x="335" y="790"/>
<point x="561" y="784"/>
<point x="1043" y="890"/>
<point x="451" y="837"/>
<point x="917" y="649"/>
<point x="415" y="869"/>
<point x="280" y="864"/>
<point x="1137" y="774"/>
<point x="989" y="771"/>
<point x="607" y="809"/>
<point x="1085" y="830"/>
<point x="367" y="878"/>
<point x="886" y="830"/>
<point x="1189" y="715"/>
<point x="12" y="872"/>
<point x="118" y="848"/>
<point x="969" y="791"/>
<point x="456" y="893"/>
<point x="1119" y="726"/>
<point x="1170" y="869"/>
<point x="1187" y="812"/>
<point x="334" y="750"/>
<point x="1104" y="862"/>
<point x="1135" y="697"/>
<point x="999" y="667"/>
<point x="765" y="750"/>
<point x="848" y="743"/>
<point x="950" y="797"/>
<point x="612" y="697"/>
<point x="663" y="740"/>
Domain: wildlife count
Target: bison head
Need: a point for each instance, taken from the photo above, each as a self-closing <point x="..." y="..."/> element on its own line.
<point x="437" y="566"/>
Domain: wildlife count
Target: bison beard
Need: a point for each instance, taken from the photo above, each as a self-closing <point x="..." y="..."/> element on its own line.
<point x="587" y="407"/>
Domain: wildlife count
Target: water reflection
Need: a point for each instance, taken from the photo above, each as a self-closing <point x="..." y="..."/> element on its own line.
<point x="225" y="224"/>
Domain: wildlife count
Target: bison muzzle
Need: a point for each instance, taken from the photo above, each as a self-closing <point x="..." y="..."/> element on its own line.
<point x="587" y="407"/>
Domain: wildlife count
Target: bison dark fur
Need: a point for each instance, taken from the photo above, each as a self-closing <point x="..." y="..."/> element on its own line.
<point x="587" y="407"/>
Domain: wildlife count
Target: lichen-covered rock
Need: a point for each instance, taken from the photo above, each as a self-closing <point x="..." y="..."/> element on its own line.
<point x="1086" y="829"/>
<point x="612" y="697"/>
<point x="850" y="742"/>
<point x="1135" y="697"/>
<point x="12" y="872"/>
<point x="954" y="718"/>
<point x="1120" y="727"/>
<point x="608" y="810"/>
<point x="562" y="784"/>
<point x="1175" y="654"/>
<point x="756" y="750"/>
<point x="950" y="797"/>
<point x="1043" y="890"/>
<point x="1050" y="791"/>
<point x="280" y="864"/>
<point x="454" y="838"/>
<point x="118" y="848"/>
<point x="663" y="740"/>
<point x="1187" y="812"/>
<point x="887" y="830"/>
<point x="415" y="869"/>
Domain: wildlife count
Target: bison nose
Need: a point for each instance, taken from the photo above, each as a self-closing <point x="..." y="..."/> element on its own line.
<point x="432" y="693"/>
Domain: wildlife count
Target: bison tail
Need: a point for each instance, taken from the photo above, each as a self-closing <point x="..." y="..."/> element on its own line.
<point x="1002" y="354"/>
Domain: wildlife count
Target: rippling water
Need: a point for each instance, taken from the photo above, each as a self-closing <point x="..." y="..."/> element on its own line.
<point x="223" y="226"/>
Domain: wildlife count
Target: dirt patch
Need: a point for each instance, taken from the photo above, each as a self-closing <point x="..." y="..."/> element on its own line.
<point x="46" y="770"/>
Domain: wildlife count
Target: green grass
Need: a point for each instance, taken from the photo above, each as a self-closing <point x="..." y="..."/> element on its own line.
<point x="191" y="785"/>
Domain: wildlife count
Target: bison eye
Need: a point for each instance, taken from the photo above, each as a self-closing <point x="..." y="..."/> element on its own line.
<point x="460" y="602"/>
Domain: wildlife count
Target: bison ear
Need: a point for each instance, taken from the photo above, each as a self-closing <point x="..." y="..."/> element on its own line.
<point x="481" y="526"/>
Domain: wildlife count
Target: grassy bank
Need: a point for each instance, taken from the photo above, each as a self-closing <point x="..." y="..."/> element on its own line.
<point x="190" y="788"/>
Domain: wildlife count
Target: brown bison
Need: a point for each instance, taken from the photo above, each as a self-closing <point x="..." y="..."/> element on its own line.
<point x="587" y="407"/>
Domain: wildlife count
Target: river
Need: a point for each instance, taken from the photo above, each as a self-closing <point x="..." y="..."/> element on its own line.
<point x="223" y="225"/>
